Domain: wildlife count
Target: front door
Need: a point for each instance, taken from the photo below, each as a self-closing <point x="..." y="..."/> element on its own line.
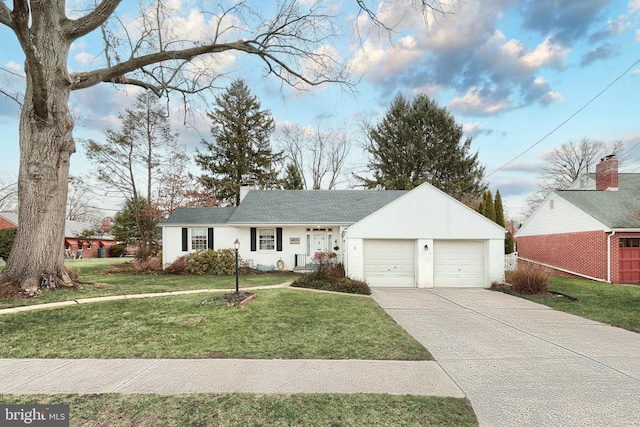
<point x="319" y="243"/>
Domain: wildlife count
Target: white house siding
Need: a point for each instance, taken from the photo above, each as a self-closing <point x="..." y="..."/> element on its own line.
<point x="557" y="216"/>
<point x="422" y="216"/>
<point x="223" y="237"/>
<point x="294" y="241"/>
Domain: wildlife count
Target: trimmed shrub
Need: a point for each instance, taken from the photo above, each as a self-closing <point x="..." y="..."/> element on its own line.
<point x="177" y="266"/>
<point x="329" y="276"/>
<point x="219" y="262"/>
<point x="7" y="236"/>
<point x="149" y="265"/>
<point x="529" y="279"/>
<point x="116" y="251"/>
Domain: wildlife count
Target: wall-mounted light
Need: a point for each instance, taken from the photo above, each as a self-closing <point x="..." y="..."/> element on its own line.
<point x="426" y="247"/>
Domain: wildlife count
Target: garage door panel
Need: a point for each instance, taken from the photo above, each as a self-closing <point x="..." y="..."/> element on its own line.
<point x="389" y="262"/>
<point x="459" y="263"/>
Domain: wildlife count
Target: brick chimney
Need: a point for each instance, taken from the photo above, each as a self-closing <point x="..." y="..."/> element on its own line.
<point x="607" y="173"/>
<point x="106" y="225"/>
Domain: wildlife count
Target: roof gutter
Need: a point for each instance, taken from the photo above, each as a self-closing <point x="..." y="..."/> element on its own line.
<point x="609" y="255"/>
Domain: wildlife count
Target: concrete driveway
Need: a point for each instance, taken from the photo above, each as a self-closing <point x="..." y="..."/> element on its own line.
<point x="521" y="363"/>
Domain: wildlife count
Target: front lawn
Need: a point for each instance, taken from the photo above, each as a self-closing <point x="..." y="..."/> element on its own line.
<point x="279" y="323"/>
<point x="111" y="276"/>
<point x="617" y="305"/>
<point x="241" y="409"/>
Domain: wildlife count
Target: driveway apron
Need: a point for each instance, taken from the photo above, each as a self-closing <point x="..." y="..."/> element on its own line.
<point x="522" y="363"/>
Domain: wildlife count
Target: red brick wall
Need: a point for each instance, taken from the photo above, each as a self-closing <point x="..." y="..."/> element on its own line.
<point x="6" y="224"/>
<point x="583" y="253"/>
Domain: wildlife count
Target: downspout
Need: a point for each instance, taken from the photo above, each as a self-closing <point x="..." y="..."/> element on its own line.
<point x="609" y="255"/>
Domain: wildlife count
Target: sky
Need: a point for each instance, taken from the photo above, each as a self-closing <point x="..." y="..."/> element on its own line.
<point x="521" y="76"/>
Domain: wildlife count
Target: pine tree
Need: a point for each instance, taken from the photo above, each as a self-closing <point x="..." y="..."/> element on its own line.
<point x="293" y="178"/>
<point x="242" y="151"/>
<point x="488" y="209"/>
<point x="420" y="142"/>
<point x="499" y="209"/>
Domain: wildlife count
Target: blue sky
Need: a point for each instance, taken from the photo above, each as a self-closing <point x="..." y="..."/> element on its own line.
<point x="510" y="71"/>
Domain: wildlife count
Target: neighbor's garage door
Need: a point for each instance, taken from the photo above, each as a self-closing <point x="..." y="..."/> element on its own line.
<point x="458" y="263"/>
<point x="630" y="263"/>
<point x="389" y="263"/>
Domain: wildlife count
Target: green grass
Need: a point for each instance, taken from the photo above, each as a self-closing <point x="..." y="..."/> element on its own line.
<point x="280" y="323"/>
<point x="259" y="410"/>
<point x="616" y="305"/>
<point x="110" y="276"/>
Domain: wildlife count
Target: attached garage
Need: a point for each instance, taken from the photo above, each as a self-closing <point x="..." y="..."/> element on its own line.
<point x="389" y="262"/>
<point x="424" y="239"/>
<point x="458" y="263"/>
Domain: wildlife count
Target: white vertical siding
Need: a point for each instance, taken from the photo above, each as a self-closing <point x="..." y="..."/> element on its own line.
<point x="556" y="216"/>
<point x="427" y="213"/>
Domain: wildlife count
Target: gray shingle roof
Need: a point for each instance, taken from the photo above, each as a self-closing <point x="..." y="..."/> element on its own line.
<point x="290" y="207"/>
<point x="616" y="209"/>
<point x="310" y="206"/>
<point x="203" y="216"/>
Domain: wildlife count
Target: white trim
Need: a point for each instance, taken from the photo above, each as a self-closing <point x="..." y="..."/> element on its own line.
<point x="563" y="270"/>
<point x="609" y="256"/>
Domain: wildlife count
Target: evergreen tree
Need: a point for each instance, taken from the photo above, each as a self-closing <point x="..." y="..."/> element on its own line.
<point x="488" y="209"/>
<point x="421" y="142"/>
<point x="242" y="151"/>
<point x="499" y="209"/>
<point x="293" y="178"/>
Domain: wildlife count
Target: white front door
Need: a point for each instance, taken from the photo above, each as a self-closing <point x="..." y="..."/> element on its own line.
<point x="319" y="243"/>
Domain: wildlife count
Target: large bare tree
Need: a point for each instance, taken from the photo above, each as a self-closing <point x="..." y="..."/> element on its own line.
<point x="564" y="164"/>
<point x="315" y="153"/>
<point x="154" y="52"/>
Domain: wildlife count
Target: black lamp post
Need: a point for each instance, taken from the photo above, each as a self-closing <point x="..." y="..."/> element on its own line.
<point x="236" y="244"/>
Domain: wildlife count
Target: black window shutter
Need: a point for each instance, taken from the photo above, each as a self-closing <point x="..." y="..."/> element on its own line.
<point x="185" y="236"/>
<point x="210" y="238"/>
<point x="254" y="235"/>
<point x="279" y="239"/>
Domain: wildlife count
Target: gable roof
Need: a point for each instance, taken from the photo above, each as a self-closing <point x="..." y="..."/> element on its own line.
<point x="616" y="209"/>
<point x="316" y="207"/>
<point x="203" y="216"/>
<point x="310" y="206"/>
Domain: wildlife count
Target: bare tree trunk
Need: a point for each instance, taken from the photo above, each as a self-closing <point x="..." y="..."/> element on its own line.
<point x="46" y="143"/>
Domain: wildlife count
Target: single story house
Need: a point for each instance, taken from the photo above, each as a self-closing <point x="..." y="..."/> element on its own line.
<point x="89" y="247"/>
<point x="591" y="230"/>
<point x="419" y="238"/>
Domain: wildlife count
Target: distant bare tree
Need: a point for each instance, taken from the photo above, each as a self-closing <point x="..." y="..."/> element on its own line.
<point x="565" y="164"/>
<point x="315" y="153"/>
<point x="8" y="195"/>
<point x="80" y="202"/>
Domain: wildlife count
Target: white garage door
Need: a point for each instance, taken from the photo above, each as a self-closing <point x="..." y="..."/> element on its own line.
<point x="389" y="263"/>
<point x="458" y="263"/>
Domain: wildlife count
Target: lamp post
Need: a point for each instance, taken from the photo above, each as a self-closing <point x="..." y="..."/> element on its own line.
<point x="236" y="245"/>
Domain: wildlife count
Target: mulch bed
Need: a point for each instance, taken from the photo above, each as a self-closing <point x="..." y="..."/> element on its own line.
<point x="232" y="299"/>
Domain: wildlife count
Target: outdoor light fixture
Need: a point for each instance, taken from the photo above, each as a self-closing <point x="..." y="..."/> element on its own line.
<point x="236" y="245"/>
<point x="426" y="247"/>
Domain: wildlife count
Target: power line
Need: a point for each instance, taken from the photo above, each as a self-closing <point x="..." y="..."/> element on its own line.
<point x="567" y="120"/>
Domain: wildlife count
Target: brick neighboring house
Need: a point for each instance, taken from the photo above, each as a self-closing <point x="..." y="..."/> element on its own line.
<point x="92" y="247"/>
<point x="591" y="230"/>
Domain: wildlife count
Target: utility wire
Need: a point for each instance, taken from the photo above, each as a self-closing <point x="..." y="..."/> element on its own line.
<point x="567" y="120"/>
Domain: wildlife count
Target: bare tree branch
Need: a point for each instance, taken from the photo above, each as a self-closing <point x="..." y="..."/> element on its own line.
<point x="82" y="26"/>
<point x="5" y="15"/>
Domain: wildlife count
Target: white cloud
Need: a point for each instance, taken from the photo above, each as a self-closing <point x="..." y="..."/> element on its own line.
<point x="14" y="67"/>
<point x="84" y="57"/>
<point x="474" y="102"/>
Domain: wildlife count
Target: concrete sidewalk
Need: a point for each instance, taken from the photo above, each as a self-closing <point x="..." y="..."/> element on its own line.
<point x="522" y="363"/>
<point x="169" y="376"/>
